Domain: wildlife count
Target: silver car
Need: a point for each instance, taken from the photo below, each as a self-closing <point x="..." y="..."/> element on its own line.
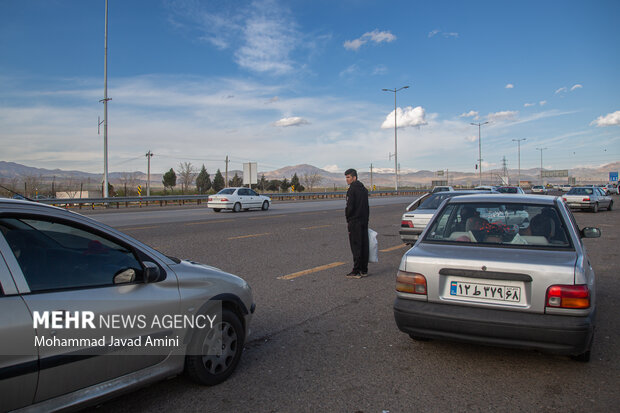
<point x="237" y="199"/>
<point x="592" y="198"/>
<point x="420" y="211"/>
<point x="87" y="312"/>
<point x="514" y="274"/>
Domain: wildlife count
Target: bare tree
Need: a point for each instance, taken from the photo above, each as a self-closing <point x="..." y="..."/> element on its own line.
<point x="32" y="185"/>
<point x="129" y="180"/>
<point x="186" y="175"/>
<point x="311" y="180"/>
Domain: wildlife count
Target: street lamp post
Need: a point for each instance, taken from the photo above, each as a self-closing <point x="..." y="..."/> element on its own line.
<point x="395" y="136"/>
<point x="479" y="149"/>
<point x="519" y="146"/>
<point x="541" y="164"/>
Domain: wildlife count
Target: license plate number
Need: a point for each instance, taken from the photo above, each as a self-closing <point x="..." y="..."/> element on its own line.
<point x="490" y="292"/>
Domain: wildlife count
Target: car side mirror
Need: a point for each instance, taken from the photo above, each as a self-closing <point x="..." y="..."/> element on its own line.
<point x="152" y="273"/>
<point x="590" y="232"/>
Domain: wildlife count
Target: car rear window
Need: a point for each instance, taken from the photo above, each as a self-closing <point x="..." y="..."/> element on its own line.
<point x="227" y="191"/>
<point x="500" y="224"/>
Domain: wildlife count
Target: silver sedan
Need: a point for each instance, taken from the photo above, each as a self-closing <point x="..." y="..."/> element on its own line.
<point x="87" y="312"/>
<point x="516" y="274"/>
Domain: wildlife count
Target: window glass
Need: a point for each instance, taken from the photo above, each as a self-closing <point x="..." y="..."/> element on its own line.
<point x="54" y="255"/>
<point x="504" y="224"/>
<point x="226" y="191"/>
<point x="251" y="192"/>
<point x="243" y="191"/>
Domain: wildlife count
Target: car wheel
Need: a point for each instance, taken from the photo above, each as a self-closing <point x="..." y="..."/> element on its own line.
<point x="611" y="205"/>
<point x="237" y="207"/>
<point x="265" y="206"/>
<point x="217" y="209"/>
<point x="212" y="369"/>
<point x="595" y="208"/>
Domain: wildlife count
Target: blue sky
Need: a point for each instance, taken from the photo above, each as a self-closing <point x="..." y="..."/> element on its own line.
<point x="289" y="82"/>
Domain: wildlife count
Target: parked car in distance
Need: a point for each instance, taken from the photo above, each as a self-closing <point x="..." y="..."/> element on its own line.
<point x="495" y="281"/>
<point x="485" y="188"/>
<point x="441" y="189"/>
<point x="610" y="189"/>
<point x="510" y="190"/>
<point x="420" y="211"/>
<point x="539" y="189"/>
<point x="591" y="198"/>
<point x="565" y="188"/>
<point x="53" y="260"/>
<point x="237" y="199"/>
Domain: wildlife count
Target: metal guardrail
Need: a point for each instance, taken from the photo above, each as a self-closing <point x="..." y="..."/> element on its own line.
<point x="137" y="201"/>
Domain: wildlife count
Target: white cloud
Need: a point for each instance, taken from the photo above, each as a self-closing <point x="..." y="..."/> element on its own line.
<point x="375" y="36"/>
<point x="611" y="119"/>
<point x="292" y="121"/>
<point x="527" y="105"/>
<point x="503" y="116"/>
<point x="471" y="138"/>
<point x="349" y="71"/>
<point x="408" y="117"/>
<point x="470" y="114"/>
<point x="380" y="70"/>
<point x="435" y="32"/>
<point x="542" y="102"/>
<point x="510" y="86"/>
<point x="575" y="87"/>
<point x="332" y="168"/>
<point x="561" y="90"/>
<point x="451" y="34"/>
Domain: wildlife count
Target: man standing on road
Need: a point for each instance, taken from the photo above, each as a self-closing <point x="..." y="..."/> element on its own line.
<point x="357" y="213"/>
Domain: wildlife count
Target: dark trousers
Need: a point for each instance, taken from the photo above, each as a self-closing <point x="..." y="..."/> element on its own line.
<point x="358" y="238"/>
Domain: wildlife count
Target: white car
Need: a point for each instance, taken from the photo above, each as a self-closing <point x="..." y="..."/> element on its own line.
<point x="237" y="199"/>
<point x="539" y="189"/>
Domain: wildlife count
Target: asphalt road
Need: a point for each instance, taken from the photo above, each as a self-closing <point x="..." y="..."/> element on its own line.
<point x="324" y="343"/>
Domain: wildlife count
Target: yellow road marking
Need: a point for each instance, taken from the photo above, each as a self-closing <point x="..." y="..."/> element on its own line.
<point x="250" y="236"/>
<point x="316" y="227"/>
<point x="310" y="271"/>
<point x="210" y="222"/>
<point x="132" y="228"/>
<point x="272" y="216"/>
<point x="397" y="247"/>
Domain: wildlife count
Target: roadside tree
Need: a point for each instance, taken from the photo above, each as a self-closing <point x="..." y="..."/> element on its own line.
<point x="203" y="181"/>
<point x="169" y="180"/>
<point x="218" y="181"/>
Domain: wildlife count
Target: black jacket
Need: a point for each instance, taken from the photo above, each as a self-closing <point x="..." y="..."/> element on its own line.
<point x="357" y="203"/>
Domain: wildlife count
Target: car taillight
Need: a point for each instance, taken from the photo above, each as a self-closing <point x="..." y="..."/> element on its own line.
<point x="410" y="282"/>
<point x="224" y="199"/>
<point x="210" y="199"/>
<point x="586" y="198"/>
<point x="568" y="296"/>
<point x="563" y="199"/>
<point x="406" y="224"/>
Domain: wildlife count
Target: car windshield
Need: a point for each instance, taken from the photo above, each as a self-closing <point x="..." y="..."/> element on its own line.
<point x="227" y="191"/>
<point x="505" y="224"/>
<point x="507" y="190"/>
<point x="580" y="191"/>
<point x="433" y="201"/>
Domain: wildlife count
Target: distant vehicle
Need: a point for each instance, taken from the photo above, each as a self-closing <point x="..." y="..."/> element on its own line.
<point x="485" y="188"/>
<point x="441" y="189"/>
<point x="237" y="199"/>
<point x="523" y="283"/>
<point x="539" y="189"/>
<point x="420" y="211"/>
<point x="610" y="189"/>
<point x="565" y="188"/>
<point x="588" y="197"/>
<point x="510" y="190"/>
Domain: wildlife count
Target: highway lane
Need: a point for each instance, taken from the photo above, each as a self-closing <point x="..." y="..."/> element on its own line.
<point x="321" y="342"/>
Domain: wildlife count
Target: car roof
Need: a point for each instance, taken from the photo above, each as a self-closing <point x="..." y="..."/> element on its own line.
<point x="509" y="198"/>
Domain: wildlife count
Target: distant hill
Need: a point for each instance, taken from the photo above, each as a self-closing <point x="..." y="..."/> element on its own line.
<point x="11" y="171"/>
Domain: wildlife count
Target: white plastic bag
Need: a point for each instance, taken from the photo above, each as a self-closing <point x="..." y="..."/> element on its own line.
<point x="373" y="246"/>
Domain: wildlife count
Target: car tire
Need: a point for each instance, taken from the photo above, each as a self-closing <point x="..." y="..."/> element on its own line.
<point x="212" y="370"/>
<point x="611" y="205"/>
<point x="595" y="208"/>
<point x="237" y="207"/>
<point x="265" y="206"/>
<point x="217" y="209"/>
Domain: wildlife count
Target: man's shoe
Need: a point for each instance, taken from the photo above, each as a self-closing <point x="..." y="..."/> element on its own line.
<point x="354" y="274"/>
<point x="364" y="274"/>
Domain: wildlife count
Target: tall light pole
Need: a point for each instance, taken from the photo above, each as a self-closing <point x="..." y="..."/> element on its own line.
<point x="479" y="149"/>
<point x="519" y="146"/>
<point x="105" y="106"/>
<point x="541" y="169"/>
<point x="395" y="136"/>
<point x="149" y="154"/>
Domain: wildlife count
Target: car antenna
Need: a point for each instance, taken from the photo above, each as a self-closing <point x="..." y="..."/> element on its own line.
<point x="16" y="193"/>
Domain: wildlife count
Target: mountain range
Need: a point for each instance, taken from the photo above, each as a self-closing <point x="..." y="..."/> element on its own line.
<point x="14" y="172"/>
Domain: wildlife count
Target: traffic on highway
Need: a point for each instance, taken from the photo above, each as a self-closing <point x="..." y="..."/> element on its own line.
<point x="290" y="332"/>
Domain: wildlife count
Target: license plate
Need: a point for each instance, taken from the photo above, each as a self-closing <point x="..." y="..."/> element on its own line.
<point x="491" y="292"/>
